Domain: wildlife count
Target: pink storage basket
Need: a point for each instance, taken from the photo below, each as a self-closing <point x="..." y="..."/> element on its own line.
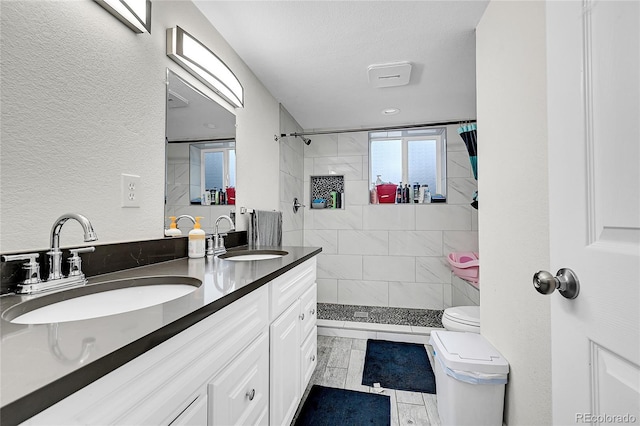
<point x="465" y="265"/>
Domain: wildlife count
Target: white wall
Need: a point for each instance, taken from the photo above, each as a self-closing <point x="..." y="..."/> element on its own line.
<point x="83" y="100"/>
<point x="386" y="255"/>
<point x="513" y="214"/>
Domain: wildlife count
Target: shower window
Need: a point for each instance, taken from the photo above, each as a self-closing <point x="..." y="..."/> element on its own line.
<point x="409" y="156"/>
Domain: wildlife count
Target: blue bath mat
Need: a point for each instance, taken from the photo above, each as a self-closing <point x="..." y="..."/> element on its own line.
<point x="398" y="365"/>
<point x="329" y="406"/>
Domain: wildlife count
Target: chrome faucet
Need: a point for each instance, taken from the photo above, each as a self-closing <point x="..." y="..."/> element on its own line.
<point x="33" y="283"/>
<point x="191" y="218"/>
<point x="218" y="240"/>
<point x="55" y="255"/>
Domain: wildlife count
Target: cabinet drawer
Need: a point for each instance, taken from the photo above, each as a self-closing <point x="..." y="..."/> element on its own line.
<point x="308" y="358"/>
<point x="287" y="288"/>
<point x="308" y="311"/>
<point x="195" y="414"/>
<point x="240" y="394"/>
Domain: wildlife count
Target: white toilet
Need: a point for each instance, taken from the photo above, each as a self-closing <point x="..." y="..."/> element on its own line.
<point x="462" y="318"/>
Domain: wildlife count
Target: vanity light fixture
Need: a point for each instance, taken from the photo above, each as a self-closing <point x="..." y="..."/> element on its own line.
<point x="203" y="64"/>
<point x="135" y="14"/>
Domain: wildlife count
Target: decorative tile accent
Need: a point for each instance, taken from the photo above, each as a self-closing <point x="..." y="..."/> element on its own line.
<point x="321" y="186"/>
<point x="381" y="315"/>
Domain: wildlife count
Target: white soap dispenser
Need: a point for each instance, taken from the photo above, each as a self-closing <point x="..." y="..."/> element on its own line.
<point x="196" y="240"/>
<point x="173" y="230"/>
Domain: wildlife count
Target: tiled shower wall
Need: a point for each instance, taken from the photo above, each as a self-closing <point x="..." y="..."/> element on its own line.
<point x="386" y="255"/>
<point x="291" y="180"/>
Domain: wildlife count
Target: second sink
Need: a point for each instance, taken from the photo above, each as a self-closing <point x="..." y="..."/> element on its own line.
<point x="247" y="255"/>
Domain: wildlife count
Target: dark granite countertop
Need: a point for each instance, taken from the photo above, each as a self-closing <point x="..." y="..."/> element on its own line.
<point x="44" y="363"/>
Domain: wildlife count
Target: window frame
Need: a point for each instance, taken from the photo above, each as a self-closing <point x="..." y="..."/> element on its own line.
<point x="441" y="151"/>
<point x="226" y="178"/>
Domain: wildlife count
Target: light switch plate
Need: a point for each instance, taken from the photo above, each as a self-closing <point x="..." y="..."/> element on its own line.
<point x="130" y="185"/>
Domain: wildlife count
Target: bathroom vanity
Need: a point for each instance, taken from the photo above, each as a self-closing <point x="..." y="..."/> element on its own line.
<point x="238" y="350"/>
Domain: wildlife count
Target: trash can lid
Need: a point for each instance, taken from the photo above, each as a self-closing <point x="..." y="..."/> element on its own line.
<point x="467" y="352"/>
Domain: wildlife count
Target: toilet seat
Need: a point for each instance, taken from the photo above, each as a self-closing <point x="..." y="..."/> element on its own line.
<point x="462" y="318"/>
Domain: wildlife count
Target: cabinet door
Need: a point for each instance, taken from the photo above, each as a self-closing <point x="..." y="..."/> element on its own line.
<point x="285" y="365"/>
<point x="195" y="414"/>
<point x="240" y="394"/>
<point x="308" y="315"/>
<point x="308" y="358"/>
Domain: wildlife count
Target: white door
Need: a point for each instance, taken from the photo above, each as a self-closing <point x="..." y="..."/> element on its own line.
<point x="593" y="54"/>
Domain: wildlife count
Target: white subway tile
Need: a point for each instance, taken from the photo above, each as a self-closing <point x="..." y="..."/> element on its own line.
<point x="443" y="217"/>
<point x="322" y="146"/>
<point x="353" y="143"/>
<point x="389" y="268"/>
<point x="363" y="242"/>
<point x="356" y="192"/>
<point x="433" y="269"/>
<point x="348" y="218"/>
<point x="327" y="290"/>
<point x="458" y="164"/>
<point x="461" y="190"/>
<point x="350" y="167"/>
<point x="415" y="243"/>
<point x="341" y="266"/>
<point x="327" y="239"/>
<point x="460" y="241"/>
<point x="388" y="217"/>
<point x="416" y="295"/>
<point x="358" y="292"/>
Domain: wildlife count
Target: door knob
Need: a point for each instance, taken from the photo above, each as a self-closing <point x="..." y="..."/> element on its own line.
<point x="565" y="281"/>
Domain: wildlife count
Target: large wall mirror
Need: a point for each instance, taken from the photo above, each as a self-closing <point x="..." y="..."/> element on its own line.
<point x="200" y="155"/>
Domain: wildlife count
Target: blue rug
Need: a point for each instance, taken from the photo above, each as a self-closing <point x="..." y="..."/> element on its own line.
<point x="397" y="365"/>
<point x="329" y="407"/>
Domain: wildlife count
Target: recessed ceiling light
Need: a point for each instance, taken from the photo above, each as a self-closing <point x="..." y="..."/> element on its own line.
<point x="210" y="125"/>
<point x="390" y="111"/>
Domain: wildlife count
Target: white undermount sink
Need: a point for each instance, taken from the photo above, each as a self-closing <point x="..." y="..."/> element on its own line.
<point x="100" y="300"/>
<point x="247" y="255"/>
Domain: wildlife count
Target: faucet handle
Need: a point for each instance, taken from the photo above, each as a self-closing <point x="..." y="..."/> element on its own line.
<point x="75" y="262"/>
<point x="32" y="266"/>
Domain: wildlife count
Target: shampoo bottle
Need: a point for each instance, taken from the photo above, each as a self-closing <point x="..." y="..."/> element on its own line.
<point x="196" y="240"/>
<point x="173" y="230"/>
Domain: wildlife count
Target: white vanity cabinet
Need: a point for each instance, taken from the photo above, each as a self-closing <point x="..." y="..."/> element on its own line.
<point x="293" y="338"/>
<point x="246" y="364"/>
<point x="199" y="377"/>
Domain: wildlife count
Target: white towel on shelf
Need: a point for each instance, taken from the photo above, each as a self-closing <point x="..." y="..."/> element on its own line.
<point x="265" y="228"/>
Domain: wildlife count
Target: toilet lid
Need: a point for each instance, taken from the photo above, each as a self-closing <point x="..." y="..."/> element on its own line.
<point x="469" y="315"/>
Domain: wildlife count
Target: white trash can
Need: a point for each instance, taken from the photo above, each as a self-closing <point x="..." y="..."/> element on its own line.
<point x="470" y="379"/>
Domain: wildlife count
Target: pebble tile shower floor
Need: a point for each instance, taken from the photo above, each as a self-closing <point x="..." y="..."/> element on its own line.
<point x="380" y="315"/>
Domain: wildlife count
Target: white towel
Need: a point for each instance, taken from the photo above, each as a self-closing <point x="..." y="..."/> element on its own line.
<point x="265" y="228"/>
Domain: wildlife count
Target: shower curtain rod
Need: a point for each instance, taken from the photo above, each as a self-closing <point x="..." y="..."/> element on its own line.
<point x="371" y="129"/>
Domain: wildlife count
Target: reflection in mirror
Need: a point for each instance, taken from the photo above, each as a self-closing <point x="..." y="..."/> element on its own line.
<point x="200" y="155"/>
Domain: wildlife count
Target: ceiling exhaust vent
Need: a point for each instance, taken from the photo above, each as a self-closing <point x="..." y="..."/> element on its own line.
<point x="389" y="75"/>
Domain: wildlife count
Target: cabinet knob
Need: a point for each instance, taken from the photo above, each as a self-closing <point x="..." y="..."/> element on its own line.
<point x="313" y="311"/>
<point x="251" y="394"/>
<point x="302" y="316"/>
<point x="313" y="358"/>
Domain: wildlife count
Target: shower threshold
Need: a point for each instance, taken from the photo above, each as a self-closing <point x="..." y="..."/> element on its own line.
<point x="431" y="318"/>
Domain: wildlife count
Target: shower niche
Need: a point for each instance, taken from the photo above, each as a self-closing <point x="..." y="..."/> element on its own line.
<point x="327" y="192"/>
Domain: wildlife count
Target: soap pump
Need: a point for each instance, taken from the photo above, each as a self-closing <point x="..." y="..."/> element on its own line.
<point x="197" y="240"/>
<point x="173" y="230"/>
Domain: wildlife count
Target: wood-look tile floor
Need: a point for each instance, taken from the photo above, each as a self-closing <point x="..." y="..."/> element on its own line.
<point x="340" y="365"/>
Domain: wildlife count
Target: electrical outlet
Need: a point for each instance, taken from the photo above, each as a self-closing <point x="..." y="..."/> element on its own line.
<point x="130" y="185"/>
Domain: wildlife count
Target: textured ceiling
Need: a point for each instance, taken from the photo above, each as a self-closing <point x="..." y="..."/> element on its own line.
<point x="313" y="56"/>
